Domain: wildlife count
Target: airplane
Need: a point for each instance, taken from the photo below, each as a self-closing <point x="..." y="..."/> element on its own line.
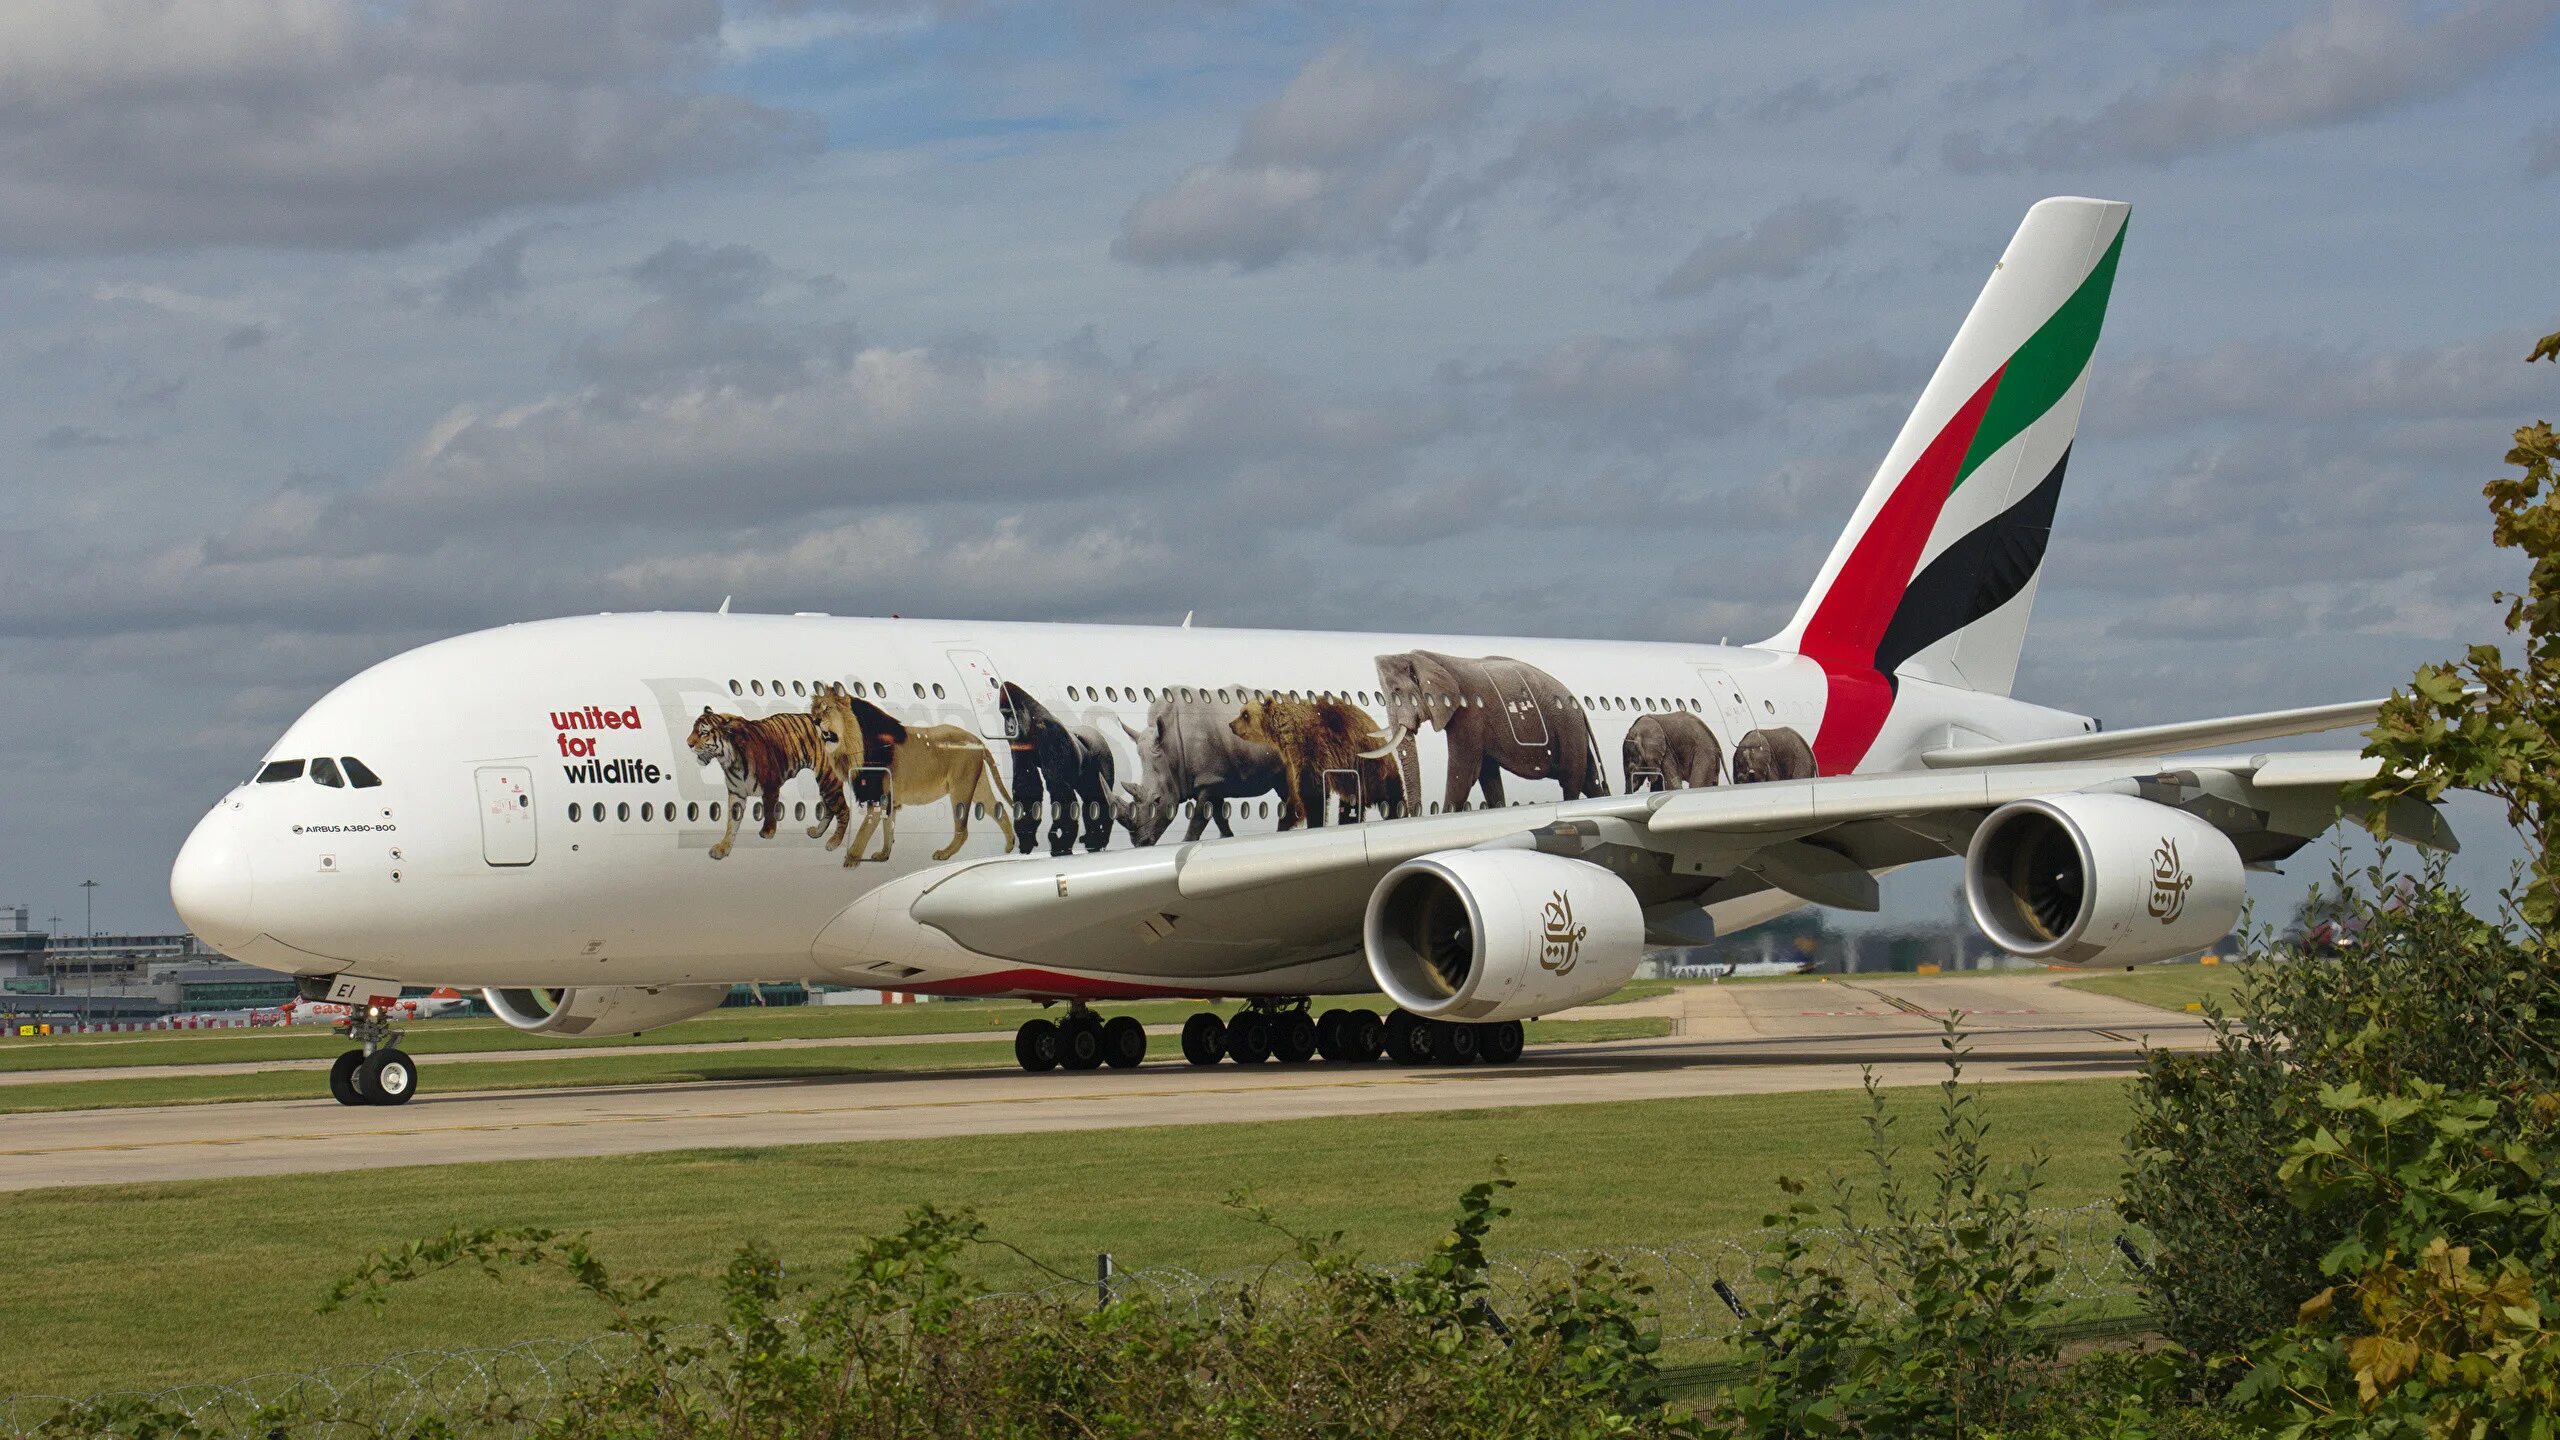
<point x="603" y="822"/>
<point x="433" y="1005"/>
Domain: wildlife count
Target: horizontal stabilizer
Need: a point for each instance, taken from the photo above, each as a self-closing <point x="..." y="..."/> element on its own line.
<point x="2162" y="739"/>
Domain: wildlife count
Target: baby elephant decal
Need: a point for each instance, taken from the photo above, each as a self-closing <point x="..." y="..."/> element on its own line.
<point x="867" y="746"/>
<point x="757" y="757"/>
<point x="1777" y="753"/>
<point x="1671" y="751"/>
<point x="1498" y="714"/>
<point x="1324" y="746"/>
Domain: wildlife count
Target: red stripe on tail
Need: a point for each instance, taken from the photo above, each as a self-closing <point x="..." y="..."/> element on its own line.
<point x="1850" y="620"/>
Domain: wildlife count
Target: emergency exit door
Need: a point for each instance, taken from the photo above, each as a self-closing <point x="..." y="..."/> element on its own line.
<point x="507" y="823"/>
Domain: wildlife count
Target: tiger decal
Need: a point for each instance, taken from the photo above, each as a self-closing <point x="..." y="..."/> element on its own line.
<point x="757" y="757"/>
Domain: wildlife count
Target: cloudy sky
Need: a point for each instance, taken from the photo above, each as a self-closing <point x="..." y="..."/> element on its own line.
<point x="330" y="327"/>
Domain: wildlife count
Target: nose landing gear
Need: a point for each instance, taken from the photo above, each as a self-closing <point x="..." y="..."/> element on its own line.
<point x="378" y="1072"/>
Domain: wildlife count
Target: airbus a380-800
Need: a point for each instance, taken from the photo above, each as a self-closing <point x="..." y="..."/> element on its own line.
<point x="605" y="822"/>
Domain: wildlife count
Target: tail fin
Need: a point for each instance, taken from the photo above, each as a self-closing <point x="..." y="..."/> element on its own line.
<point x="1935" y="574"/>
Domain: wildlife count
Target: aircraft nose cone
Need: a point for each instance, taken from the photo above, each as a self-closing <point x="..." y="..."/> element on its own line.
<point x="210" y="884"/>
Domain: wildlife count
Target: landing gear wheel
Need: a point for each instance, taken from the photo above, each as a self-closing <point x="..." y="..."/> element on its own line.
<point x="1124" y="1042"/>
<point x="1249" y="1038"/>
<point x="1080" y="1043"/>
<point x="342" y="1078"/>
<point x="387" y="1077"/>
<point x="1501" y="1044"/>
<point x="1329" y="1034"/>
<point x="1362" y="1035"/>
<point x="1036" y="1045"/>
<point x="1293" y="1037"/>
<point x="1204" y="1039"/>
<point x="1407" y="1039"/>
<point x="1453" y="1043"/>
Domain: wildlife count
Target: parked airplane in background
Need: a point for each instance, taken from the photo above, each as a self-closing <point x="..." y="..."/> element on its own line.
<point x="606" y="821"/>
<point x="433" y="1005"/>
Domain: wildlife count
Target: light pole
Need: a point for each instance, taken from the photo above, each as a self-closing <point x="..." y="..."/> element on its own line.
<point x="89" y="899"/>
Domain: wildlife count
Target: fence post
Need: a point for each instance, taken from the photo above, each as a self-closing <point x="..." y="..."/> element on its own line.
<point x="1102" y="1278"/>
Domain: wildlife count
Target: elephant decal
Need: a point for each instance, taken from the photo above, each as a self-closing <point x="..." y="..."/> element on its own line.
<point x="1673" y="750"/>
<point x="1069" y="765"/>
<point x="1498" y="715"/>
<point x="1777" y="753"/>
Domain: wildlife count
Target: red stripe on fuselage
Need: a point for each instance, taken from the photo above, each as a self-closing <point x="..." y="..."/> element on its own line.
<point x="1851" y="619"/>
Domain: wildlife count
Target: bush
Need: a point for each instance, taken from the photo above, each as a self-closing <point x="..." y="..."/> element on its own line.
<point x="1949" y="1343"/>
<point x="900" y="1343"/>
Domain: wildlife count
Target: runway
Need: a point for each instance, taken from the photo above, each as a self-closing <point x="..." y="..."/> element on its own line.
<point x="1729" y="1039"/>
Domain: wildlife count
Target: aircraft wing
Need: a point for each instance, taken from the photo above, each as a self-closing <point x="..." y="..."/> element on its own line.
<point x="2162" y="739"/>
<point x="1196" y="911"/>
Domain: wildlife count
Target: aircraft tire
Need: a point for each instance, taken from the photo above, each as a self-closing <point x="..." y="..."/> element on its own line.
<point x="1036" y="1046"/>
<point x="1453" y="1043"/>
<point x="342" y="1078"/>
<point x="388" y="1077"/>
<point x="1362" y="1036"/>
<point x="1329" y="1034"/>
<point x="1501" y="1044"/>
<point x="1080" y="1043"/>
<point x="1124" y="1042"/>
<point x="1249" y="1037"/>
<point x="1294" y="1037"/>
<point x="1406" y="1039"/>
<point x="1204" y="1039"/>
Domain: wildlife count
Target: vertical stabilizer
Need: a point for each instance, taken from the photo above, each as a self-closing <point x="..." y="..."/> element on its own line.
<point x="1935" y="573"/>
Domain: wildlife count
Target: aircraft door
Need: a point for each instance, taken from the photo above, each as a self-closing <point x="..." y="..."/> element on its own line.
<point x="1733" y="711"/>
<point x="1519" y="703"/>
<point x="507" y="823"/>
<point x="984" y="689"/>
<point x="1342" y="789"/>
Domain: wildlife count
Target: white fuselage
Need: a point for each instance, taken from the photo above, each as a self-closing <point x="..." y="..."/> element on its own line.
<point x="543" y="821"/>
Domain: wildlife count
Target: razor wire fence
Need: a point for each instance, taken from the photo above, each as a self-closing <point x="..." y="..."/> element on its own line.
<point x="1703" y="1298"/>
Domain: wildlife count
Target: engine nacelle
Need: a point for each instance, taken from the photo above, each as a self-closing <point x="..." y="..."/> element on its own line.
<point x="2077" y="879"/>
<point x="600" y="1012"/>
<point x="1488" y="935"/>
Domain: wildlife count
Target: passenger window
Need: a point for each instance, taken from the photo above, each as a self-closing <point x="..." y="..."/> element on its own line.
<point x="919" y="692"/>
<point x="757" y="686"/>
<point x="573" y="810"/>
<point x="715" y="810"/>
<point x="692" y="810"/>
<point x="359" y="774"/>
<point x="278" y="770"/>
<point x="645" y="810"/>
<point x="796" y="690"/>
<point x="799" y="809"/>
<point x="622" y="811"/>
<point x="737" y="689"/>
<point x="324" y="771"/>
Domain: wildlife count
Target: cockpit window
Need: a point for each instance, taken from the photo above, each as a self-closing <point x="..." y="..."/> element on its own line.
<point x="359" y="774"/>
<point x="324" y="771"/>
<point x="279" y="770"/>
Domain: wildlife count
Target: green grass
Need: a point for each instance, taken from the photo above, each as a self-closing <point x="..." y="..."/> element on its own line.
<point x="151" y="1285"/>
<point x="2168" y="987"/>
<point x="607" y="1068"/>
<point x="461" y="1037"/>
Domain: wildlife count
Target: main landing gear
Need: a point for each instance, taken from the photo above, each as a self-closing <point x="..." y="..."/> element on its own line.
<point x="378" y="1072"/>
<point x="1287" y="1030"/>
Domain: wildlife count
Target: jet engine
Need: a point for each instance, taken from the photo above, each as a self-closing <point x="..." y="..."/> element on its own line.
<point x="599" y="1012"/>
<point x="1479" y="936"/>
<point x="2077" y="879"/>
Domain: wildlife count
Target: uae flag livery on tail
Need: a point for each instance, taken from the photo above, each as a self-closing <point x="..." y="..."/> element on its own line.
<point x="1933" y="578"/>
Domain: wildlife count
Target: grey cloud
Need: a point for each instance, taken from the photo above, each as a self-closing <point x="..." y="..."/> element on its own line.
<point x="1631" y="389"/>
<point x="2259" y="380"/>
<point x="244" y="337"/>
<point x="135" y="125"/>
<point x="2542" y="152"/>
<point x="1776" y="247"/>
<point x="1812" y="96"/>
<point x="76" y="437"/>
<point x="1329" y="166"/>
<point x="494" y="275"/>
<point x="2348" y="60"/>
<point x="704" y="275"/>
<point x="1853" y="372"/>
